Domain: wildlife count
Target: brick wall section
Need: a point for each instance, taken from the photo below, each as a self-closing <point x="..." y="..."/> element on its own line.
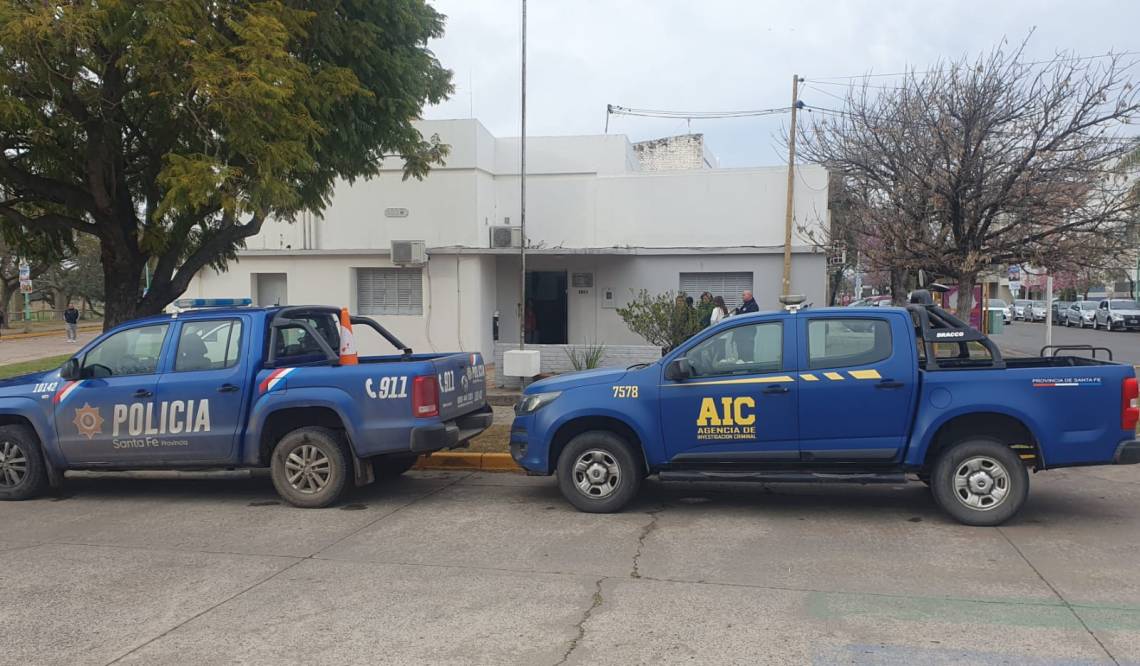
<point x="554" y="358"/>
<point x="671" y="153"/>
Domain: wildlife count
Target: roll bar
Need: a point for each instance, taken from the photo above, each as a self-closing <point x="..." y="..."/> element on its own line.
<point x="937" y="326"/>
<point x="292" y="316"/>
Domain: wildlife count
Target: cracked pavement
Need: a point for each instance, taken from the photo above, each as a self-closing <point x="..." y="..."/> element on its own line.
<point x="454" y="567"/>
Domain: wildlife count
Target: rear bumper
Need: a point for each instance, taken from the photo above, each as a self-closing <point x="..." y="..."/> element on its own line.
<point x="449" y="434"/>
<point x="1128" y="453"/>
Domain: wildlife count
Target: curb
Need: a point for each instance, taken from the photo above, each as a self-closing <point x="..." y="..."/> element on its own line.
<point x="469" y="460"/>
<point x="44" y="334"/>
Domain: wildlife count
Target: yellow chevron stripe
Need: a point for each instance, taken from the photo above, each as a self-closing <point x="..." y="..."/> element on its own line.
<point x="808" y="377"/>
<point x="750" y="380"/>
<point x="865" y="374"/>
<point x="835" y="376"/>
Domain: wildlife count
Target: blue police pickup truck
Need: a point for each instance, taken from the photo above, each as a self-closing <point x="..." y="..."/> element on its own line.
<point x="239" y="387"/>
<point x="862" y="395"/>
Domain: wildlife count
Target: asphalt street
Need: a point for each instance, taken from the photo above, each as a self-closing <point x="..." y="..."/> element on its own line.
<point x="496" y="568"/>
<point x="1027" y="339"/>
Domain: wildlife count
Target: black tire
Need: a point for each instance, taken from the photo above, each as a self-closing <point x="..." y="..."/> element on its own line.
<point x="312" y="477"/>
<point x="609" y="452"/>
<point x="987" y="458"/>
<point x="392" y="466"/>
<point x="23" y="474"/>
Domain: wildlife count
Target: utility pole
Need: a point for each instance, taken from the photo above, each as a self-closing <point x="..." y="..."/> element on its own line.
<point x="522" y="193"/>
<point x="786" y="286"/>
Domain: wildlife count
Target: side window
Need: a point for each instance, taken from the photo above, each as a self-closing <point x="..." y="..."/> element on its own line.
<point x="742" y="350"/>
<point x="131" y="352"/>
<point x="208" y="345"/>
<point x="839" y="343"/>
<point x="295" y="344"/>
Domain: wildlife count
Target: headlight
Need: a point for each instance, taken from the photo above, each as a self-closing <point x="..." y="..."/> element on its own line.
<point x="1116" y="317"/>
<point x="535" y="401"/>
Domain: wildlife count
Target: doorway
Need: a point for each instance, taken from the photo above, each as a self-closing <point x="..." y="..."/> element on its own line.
<point x="547" y="300"/>
<point x="270" y="289"/>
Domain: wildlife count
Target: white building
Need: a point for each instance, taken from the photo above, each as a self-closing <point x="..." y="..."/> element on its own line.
<point x="599" y="227"/>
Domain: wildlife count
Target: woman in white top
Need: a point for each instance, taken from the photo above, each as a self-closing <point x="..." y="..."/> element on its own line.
<point x="720" y="310"/>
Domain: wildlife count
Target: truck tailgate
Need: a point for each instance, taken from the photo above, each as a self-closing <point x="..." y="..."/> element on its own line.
<point x="462" y="384"/>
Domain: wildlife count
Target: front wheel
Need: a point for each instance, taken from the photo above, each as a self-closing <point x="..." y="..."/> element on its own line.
<point x="598" y="472"/>
<point x="980" y="482"/>
<point x="23" y="474"/>
<point x="310" y="467"/>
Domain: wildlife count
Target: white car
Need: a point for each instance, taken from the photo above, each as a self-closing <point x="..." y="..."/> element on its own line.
<point x="1019" y="307"/>
<point x="1118" y="314"/>
<point x="995" y="305"/>
<point x="1081" y="314"/>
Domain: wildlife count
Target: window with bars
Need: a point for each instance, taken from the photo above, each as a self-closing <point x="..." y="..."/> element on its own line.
<point x="389" y="291"/>
<point x="727" y="285"/>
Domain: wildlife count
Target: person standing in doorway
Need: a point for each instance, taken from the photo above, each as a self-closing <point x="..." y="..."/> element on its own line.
<point x="530" y="323"/>
<point x="71" y="320"/>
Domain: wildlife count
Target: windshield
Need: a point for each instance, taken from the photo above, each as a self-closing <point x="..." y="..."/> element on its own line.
<point x="1123" y="304"/>
<point x="997" y="303"/>
<point x="1038" y="304"/>
<point x="1086" y="305"/>
<point x="1021" y="303"/>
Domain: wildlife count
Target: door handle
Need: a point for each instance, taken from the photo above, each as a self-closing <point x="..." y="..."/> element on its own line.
<point x="888" y="384"/>
<point x="227" y="388"/>
<point x="143" y="393"/>
<point x="776" y="389"/>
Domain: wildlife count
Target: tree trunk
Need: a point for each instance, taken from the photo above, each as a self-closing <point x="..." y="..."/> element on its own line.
<point x="898" y="286"/>
<point x="966" y="297"/>
<point x="121" y="273"/>
<point x="7" y="290"/>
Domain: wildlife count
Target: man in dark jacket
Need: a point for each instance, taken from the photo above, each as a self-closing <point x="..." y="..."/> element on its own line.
<point x="744" y="337"/>
<point x="71" y="319"/>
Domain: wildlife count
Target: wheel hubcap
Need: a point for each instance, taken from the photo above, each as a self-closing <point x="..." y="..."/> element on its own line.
<point x="308" y="469"/>
<point x="981" y="483"/>
<point x="13" y="465"/>
<point x="596" y="474"/>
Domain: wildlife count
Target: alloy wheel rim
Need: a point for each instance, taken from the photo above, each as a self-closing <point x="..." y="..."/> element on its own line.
<point x="981" y="483"/>
<point x="307" y="469"/>
<point x="13" y="464"/>
<point x="597" y="474"/>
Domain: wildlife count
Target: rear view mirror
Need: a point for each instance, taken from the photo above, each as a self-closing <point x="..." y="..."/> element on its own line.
<point x="678" y="369"/>
<point x="70" y="370"/>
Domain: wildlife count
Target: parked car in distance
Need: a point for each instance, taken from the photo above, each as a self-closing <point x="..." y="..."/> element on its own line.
<point x="1060" y="308"/>
<point x="996" y="304"/>
<point x="1035" y="311"/>
<point x="1019" y="309"/>
<point x="871" y="301"/>
<point x="1080" y="314"/>
<point x="1117" y="314"/>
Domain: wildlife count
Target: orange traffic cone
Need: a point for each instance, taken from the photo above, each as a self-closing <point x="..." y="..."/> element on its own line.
<point x="347" y="343"/>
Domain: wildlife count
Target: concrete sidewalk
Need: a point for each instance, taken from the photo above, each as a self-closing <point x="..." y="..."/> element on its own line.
<point x="467" y="568"/>
<point x="18" y="348"/>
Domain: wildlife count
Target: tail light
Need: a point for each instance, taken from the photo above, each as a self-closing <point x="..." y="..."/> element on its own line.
<point x="1129" y="412"/>
<point x="425" y="397"/>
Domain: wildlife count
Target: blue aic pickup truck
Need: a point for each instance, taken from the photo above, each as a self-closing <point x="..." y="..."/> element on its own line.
<point x="860" y="395"/>
<point x="239" y="387"/>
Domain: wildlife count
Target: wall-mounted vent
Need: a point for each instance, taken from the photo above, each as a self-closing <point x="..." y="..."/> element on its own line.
<point x="409" y="253"/>
<point x="506" y="236"/>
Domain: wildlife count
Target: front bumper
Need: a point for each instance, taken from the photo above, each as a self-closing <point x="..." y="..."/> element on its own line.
<point x="450" y="434"/>
<point x="1128" y="453"/>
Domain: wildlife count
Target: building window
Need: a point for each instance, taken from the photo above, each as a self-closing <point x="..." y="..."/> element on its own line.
<point x="727" y="285"/>
<point x="389" y="291"/>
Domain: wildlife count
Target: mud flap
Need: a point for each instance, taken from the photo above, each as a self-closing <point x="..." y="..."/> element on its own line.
<point x="362" y="471"/>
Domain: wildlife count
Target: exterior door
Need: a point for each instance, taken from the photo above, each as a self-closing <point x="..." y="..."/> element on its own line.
<point x="856" y="386"/>
<point x="101" y="418"/>
<point x="203" y="395"/>
<point x="739" y="405"/>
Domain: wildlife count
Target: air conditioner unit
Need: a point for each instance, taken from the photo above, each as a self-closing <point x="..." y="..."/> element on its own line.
<point x="502" y="236"/>
<point x="409" y="253"/>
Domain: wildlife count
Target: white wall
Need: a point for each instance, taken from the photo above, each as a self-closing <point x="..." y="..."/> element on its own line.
<point x="459" y="296"/>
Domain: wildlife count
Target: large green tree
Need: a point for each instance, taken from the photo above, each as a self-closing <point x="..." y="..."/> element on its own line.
<point x="170" y="130"/>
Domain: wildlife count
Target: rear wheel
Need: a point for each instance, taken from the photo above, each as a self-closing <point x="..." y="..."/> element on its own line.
<point x="310" y="467"/>
<point x="23" y="474"/>
<point x="980" y="482"/>
<point x="598" y="472"/>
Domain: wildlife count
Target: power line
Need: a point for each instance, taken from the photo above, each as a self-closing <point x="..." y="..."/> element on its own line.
<point x="613" y="109"/>
<point x="930" y="71"/>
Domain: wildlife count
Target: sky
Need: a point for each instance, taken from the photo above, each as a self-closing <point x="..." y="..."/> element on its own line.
<point x="726" y="55"/>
